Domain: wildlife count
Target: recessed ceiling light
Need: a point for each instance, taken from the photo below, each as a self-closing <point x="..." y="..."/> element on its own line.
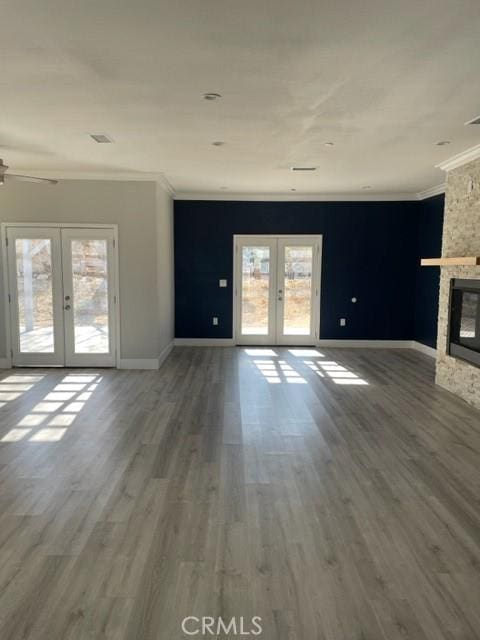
<point x="223" y="188"/>
<point x="367" y="186"/>
<point x="442" y="143"/>
<point x="101" y="138"/>
<point x="329" y="144"/>
<point x="303" y="168"/>
<point x="218" y="143"/>
<point x="211" y="96"/>
<point x="292" y="189"/>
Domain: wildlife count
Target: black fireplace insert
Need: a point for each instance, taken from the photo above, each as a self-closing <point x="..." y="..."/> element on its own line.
<point x="464" y="324"/>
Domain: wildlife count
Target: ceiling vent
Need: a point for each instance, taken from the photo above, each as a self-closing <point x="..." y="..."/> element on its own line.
<point x="304" y="168"/>
<point x="101" y="138"/>
<point x="211" y="96"/>
<point x="474" y="121"/>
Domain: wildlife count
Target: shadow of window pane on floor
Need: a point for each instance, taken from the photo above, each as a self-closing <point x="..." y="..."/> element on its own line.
<point x="50" y="417"/>
<point x="276" y="371"/>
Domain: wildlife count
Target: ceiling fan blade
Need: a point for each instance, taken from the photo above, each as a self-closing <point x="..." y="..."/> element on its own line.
<point x="20" y="178"/>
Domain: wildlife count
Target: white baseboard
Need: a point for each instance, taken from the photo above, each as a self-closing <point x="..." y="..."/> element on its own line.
<point x="204" y="342"/>
<point x="146" y="363"/>
<point x="344" y="344"/>
<point x="124" y="363"/>
<point x="366" y="344"/>
<point x="165" y="352"/>
<point x="380" y="344"/>
<point x="138" y="363"/>
<point x="230" y="342"/>
<point x="423" y="348"/>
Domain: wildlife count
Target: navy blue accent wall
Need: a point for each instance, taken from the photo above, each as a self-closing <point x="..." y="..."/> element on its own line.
<point x="430" y="228"/>
<point x="370" y="251"/>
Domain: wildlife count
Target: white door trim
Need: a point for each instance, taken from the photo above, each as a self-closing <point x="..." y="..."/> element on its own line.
<point x="237" y="238"/>
<point x="58" y="225"/>
<point x="6" y="296"/>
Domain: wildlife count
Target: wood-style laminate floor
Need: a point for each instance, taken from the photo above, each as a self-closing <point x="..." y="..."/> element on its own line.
<point x="334" y="494"/>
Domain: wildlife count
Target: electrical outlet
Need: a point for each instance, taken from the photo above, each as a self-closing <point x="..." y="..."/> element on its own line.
<point x="343" y="322"/>
<point x="222" y="283"/>
<point x="215" y="321"/>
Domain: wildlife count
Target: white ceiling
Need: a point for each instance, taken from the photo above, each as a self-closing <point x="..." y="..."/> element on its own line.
<point x="384" y="80"/>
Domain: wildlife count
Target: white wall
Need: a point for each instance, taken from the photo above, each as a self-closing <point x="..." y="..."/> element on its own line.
<point x="165" y="279"/>
<point x="143" y="214"/>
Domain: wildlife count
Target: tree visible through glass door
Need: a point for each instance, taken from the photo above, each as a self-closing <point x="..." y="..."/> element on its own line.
<point x="255" y="290"/>
<point x="90" y="295"/>
<point x="33" y="258"/>
<point x="297" y="308"/>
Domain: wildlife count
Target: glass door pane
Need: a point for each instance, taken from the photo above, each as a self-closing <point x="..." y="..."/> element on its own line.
<point x="35" y="287"/>
<point x="255" y="290"/>
<point x="255" y="269"/>
<point x="297" y="307"/>
<point x="90" y="296"/>
<point x="298" y="281"/>
<point x="89" y="312"/>
<point x="33" y="259"/>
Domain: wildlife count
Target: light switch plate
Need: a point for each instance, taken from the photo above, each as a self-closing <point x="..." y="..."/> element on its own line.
<point x="222" y="283"/>
<point x="343" y="322"/>
<point x="215" y="321"/>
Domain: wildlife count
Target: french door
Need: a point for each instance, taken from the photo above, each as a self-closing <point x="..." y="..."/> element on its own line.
<point x="62" y="296"/>
<point x="277" y="289"/>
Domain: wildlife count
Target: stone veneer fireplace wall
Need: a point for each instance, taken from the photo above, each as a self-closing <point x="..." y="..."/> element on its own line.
<point x="461" y="237"/>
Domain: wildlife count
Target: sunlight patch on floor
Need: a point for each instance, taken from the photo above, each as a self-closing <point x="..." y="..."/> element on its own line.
<point x="281" y="371"/>
<point x="48" y="435"/>
<point x="276" y="372"/>
<point x="306" y="353"/>
<point x="261" y="352"/>
<point x="14" y="435"/>
<point x="32" y="420"/>
<point x="341" y="375"/>
<point x="15" y="385"/>
<point x="60" y="406"/>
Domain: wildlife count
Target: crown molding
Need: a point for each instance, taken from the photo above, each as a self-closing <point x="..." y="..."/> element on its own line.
<point x="460" y="159"/>
<point x="161" y="179"/>
<point x="117" y="176"/>
<point x="432" y="191"/>
<point x="275" y="197"/>
<point x="165" y="184"/>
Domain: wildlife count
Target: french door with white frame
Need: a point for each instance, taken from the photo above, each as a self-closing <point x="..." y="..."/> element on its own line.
<point x="62" y="296"/>
<point x="277" y="289"/>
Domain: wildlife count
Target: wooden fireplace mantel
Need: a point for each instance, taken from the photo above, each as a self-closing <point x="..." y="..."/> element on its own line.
<point x="469" y="261"/>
